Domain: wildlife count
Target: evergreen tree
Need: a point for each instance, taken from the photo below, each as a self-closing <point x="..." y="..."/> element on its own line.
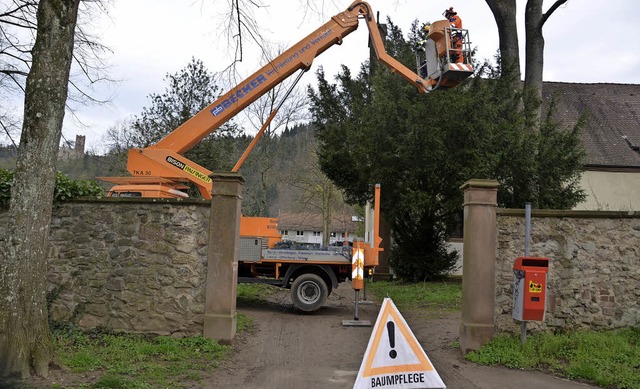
<point x="421" y="149"/>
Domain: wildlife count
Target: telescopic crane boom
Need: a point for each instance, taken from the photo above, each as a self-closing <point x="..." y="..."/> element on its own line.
<point x="162" y="165"/>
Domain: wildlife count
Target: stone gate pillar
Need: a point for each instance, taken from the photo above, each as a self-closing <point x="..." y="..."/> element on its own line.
<point x="222" y="257"/>
<point x="478" y="268"/>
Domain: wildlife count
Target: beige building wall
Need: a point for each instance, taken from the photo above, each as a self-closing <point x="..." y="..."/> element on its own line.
<point x="610" y="191"/>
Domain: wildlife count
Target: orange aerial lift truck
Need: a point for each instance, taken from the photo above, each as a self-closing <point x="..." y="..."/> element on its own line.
<point x="161" y="170"/>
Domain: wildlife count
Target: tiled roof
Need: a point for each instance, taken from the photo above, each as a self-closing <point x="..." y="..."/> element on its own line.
<point x="313" y="222"/>
<point x="614" y="112"/>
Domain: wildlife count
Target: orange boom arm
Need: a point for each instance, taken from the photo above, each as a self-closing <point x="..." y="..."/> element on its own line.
<point x="165" y="160"/>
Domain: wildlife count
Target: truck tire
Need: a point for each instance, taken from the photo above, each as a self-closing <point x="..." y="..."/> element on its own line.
<point x="309" y="292"/>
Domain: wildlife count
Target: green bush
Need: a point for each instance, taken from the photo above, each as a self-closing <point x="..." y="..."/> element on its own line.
<point x="66" y="188"/>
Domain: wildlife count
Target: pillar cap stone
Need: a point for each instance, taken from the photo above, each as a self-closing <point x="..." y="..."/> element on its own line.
<point x="480" y="183"/>
<point x="226" y="176"/>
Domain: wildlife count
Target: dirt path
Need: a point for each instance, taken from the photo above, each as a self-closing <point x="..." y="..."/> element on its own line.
<point x="292" y="350"/>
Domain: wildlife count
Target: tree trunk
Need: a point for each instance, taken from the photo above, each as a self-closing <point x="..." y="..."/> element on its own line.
<point x="25" y="340"/>
<point x="534" y="20"/>
<point x="326" y="189"/>
<point x="504" y="12"/>
<point x="534" y="60"/>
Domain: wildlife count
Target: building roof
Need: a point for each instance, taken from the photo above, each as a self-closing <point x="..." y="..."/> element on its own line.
<point x="613" y="112"/>
<point x="313" y="222"/>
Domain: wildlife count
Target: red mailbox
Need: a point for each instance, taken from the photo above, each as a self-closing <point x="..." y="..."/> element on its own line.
<point x="530" y="288"/>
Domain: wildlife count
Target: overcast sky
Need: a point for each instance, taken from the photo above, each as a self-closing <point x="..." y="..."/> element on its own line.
<point x="587" y="41"/>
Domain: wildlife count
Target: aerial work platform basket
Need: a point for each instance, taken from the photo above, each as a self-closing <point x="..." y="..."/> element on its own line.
<point x="439" y="58"/>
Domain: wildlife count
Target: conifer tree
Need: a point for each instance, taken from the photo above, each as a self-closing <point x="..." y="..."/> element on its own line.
<point x="421" y="149"/>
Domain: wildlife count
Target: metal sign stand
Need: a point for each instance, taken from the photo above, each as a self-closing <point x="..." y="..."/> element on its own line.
<point x="356" y="322"/>
<point x="357" y="279"/>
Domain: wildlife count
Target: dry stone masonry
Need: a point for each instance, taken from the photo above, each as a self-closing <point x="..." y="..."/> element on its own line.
<point x="140" y="266"/>
<point x="130" y="266"/>
<point x="594" y="270"/>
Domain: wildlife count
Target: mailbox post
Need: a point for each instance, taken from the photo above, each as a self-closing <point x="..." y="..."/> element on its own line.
<point x="530" y="288"/>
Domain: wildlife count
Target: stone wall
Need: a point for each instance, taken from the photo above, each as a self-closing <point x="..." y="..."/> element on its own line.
<point x="140" y="266"/>
<point x="135" y="266"/>
<point x="594" y="270"/>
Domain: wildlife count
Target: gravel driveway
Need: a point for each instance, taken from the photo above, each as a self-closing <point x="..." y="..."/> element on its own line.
<point x="288" y="349"/>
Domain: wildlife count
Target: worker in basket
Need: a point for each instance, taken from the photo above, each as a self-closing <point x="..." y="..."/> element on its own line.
<point x="426" y="29"/>
<point x="420" y="47"/>
<point x="456" y="35"/>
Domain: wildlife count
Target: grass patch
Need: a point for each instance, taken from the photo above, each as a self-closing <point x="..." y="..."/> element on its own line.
<point x="439" y="295"/>
<point x="255" y="293"/>
<point x="244" y="323"/>
<point x="610" y="359"/>
<point x="132" y="361"/>
<point x="138" y="361"/>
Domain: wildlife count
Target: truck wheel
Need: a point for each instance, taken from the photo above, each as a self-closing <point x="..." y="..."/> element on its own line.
<point x="309" y="292"/>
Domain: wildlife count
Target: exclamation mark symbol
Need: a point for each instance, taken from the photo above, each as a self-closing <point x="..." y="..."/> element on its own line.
<point x="392" y="339"/>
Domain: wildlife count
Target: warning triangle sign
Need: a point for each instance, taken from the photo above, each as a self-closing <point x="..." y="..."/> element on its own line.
<point x="394" y="357"/>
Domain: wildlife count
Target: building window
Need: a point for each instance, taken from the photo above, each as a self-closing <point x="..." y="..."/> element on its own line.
<point x="300" y="233"/>
<point x="333" y="234"/>
<point x="317" y="233"/>
<point x="284" y="232"/>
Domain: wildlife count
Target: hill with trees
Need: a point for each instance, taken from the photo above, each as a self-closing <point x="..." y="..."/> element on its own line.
<point x="289" y="180"/>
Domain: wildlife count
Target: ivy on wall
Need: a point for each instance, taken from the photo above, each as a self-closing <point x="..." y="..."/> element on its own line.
<point x="66" y="188"/>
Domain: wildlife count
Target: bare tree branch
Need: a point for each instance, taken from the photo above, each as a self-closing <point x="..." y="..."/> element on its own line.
<point x="17" y="36"/>
<point x="6" y="130"/>
<point x="550" y="11"/>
